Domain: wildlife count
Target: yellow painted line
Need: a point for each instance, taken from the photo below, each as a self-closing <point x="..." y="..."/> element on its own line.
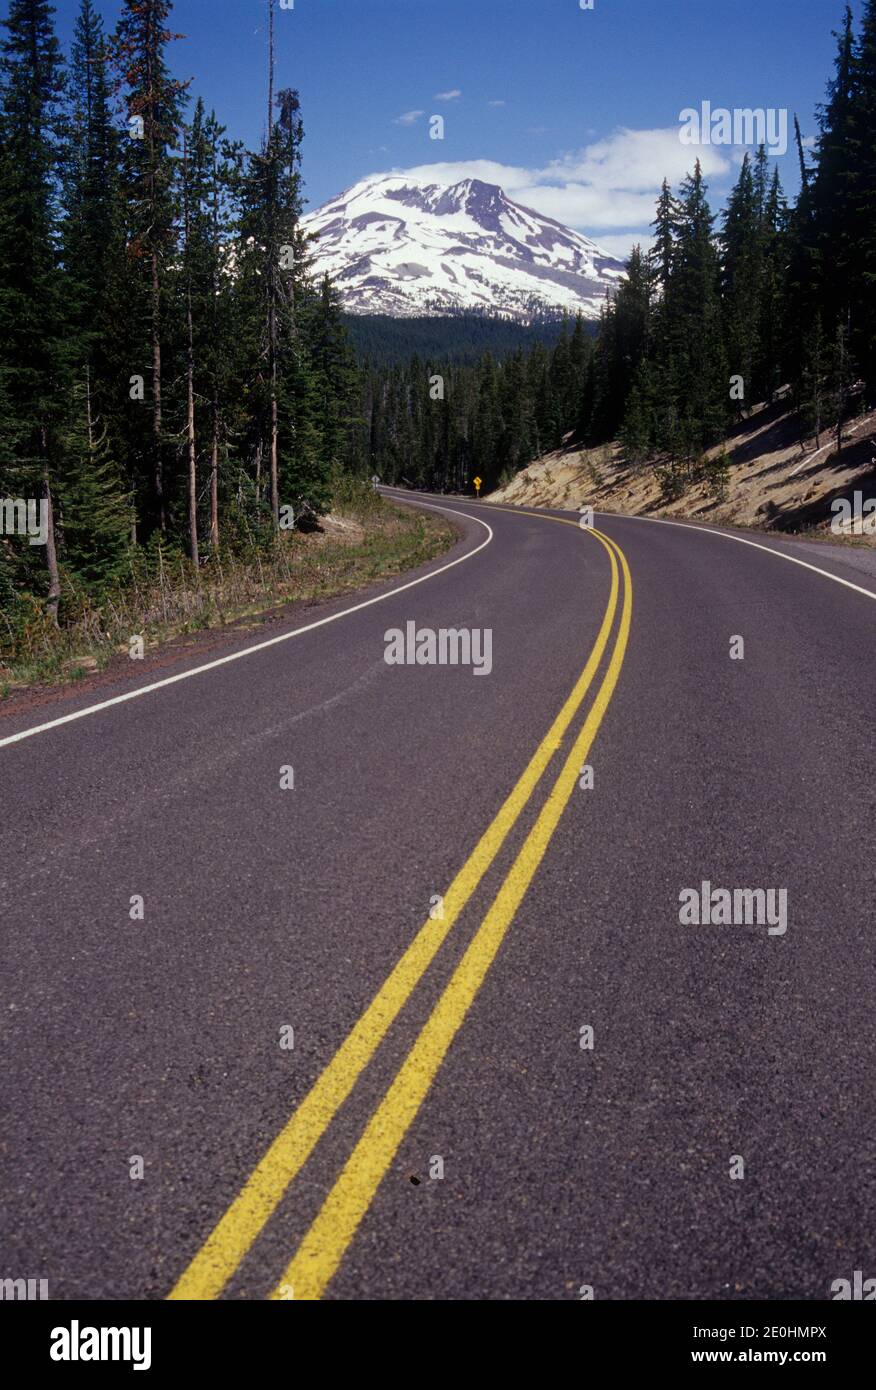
<point x="238" y="1228"/>
<point x="327" y="1240"/>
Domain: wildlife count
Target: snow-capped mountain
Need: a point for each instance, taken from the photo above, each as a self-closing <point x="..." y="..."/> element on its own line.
<point x="402" y="246"/>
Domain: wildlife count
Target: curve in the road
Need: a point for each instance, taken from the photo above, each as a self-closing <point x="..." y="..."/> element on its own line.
<point x="257" y="646"/>
<point x="239" y="1227"/>
<point x="322" y="1249"/>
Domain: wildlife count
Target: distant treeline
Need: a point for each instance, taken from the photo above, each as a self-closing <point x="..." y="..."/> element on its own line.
<point x="456" y="340"/>
<point x="710" y="322"/>
<point x="439" y="426"/>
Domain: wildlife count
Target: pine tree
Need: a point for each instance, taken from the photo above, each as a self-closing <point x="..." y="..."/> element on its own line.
<point x="154" y="102"/>
<point x="287" y="397"/>
<point x="637" y="430"/>
<point x="92" y="234"/>
<point x="861" y="161"/>
<point x="487" y="425"/>
<point x="631" y="332"/>
<point x="816" y="378"/>
<point x="800" y="289"/>
<point x="774" y="254"/>
<point x="193" y="176"/>
<point x="92" y="483"/>
<point x="93" y="500"/>
<point x="598" y="406"/>
<point x="667" y="333"/>
<point x="666" y="225"/>
<point x="702" y="381"/>
<point x="831" y="190"/>
<point x="222" y="341"/>
<point x="334" y="369"/>
<point x="742" y="277"/>
<point x="34" y="351"/>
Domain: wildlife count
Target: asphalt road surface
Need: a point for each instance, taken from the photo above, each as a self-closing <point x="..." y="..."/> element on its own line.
<point x="425" y="1023"/>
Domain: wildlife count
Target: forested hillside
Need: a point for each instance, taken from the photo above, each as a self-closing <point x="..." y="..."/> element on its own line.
<point x="456" y="339"/>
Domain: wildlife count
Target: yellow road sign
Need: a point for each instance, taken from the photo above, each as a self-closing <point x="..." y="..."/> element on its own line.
<point x="477" y="483"/>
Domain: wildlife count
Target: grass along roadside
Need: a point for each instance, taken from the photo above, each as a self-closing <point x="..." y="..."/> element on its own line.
<point x="364" y="538"/>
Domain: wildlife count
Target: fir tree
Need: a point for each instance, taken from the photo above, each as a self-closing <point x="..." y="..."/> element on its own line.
<point x="154" y="103"/>
<point x="35" y="352"/>
<point x="831" y="190"/>
<point x="92" y="481"/>
<point x="742" y="277"/>
<point x="701" y="367"/>
<point x="861" y="162"/>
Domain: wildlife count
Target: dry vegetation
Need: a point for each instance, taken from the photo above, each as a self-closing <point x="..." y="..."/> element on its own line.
<point x="774" y="480"/>
<point x="363" y="539"/>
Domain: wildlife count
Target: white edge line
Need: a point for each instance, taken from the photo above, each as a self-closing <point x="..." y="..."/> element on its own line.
<point x="701" y="530"/>
<point x="259" y="646"/>
<point x="713" y="531"/>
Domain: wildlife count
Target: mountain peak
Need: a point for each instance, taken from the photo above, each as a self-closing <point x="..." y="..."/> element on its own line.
<point x="402" y="245"/>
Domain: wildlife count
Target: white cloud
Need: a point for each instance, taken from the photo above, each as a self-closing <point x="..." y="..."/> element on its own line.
<point x="620" y="244"/>
<point x="637" y="160"/>
<point x="591" y="209"/>
<point x="448" y="96"/>
<point x="497" y="103"/>
<point x="607" y="187"/>
<point x="409" y="117"/>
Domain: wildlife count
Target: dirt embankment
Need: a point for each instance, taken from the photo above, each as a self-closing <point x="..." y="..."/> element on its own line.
<point x="775" y="481"/>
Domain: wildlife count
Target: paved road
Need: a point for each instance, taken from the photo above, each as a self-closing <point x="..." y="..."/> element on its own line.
<point x="453" y="1043"/>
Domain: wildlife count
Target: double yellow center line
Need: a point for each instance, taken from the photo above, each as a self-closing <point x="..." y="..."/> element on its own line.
<point x="328" y="1238"/>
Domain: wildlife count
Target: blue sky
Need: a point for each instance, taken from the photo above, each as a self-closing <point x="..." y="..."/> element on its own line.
<point x="575" y="112"/>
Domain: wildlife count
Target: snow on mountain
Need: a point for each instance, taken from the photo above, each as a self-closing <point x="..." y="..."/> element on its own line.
<point x="401" y="246"/>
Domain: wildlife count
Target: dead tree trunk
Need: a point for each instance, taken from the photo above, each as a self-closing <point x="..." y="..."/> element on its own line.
<point x="190" y="375"/>
<point x="214" y="482"/>
<point x="54" y="595"/>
